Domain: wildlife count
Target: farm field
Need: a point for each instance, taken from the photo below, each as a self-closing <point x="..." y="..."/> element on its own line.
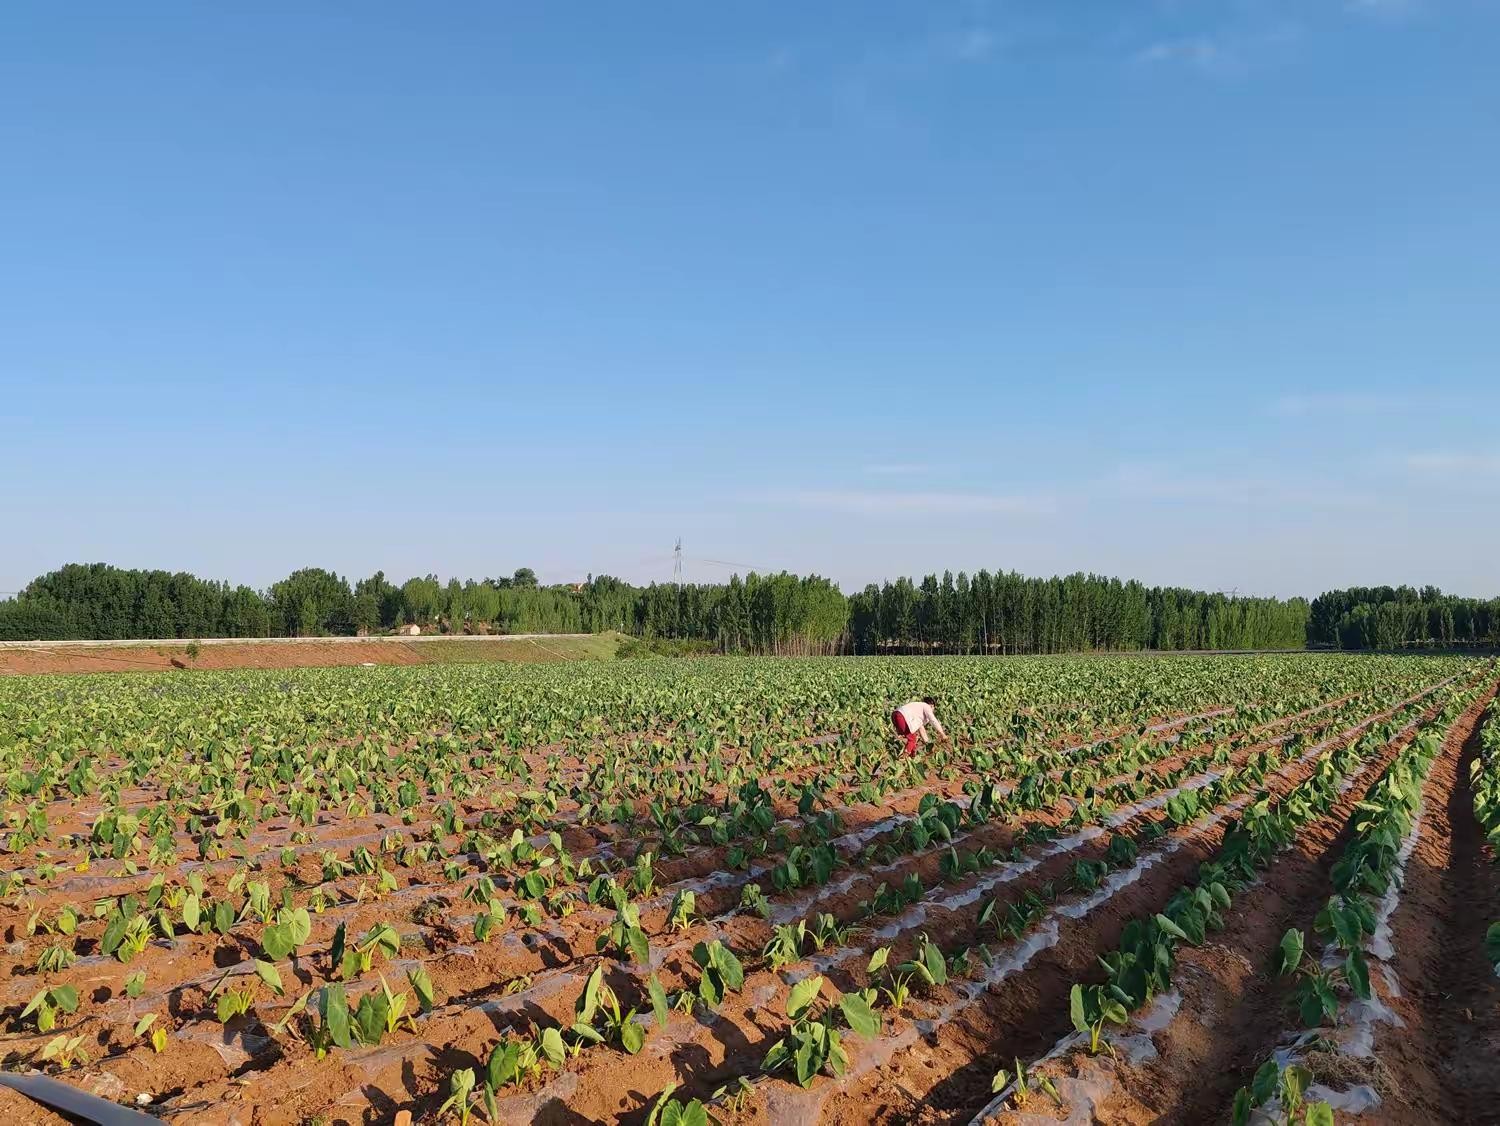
<point x="1168" y="889"/>
<point x="284" y="653"/>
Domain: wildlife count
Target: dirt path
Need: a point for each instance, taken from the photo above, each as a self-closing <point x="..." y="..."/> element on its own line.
<point x="287" y="653"/>
<point x="1444" y="1065"/>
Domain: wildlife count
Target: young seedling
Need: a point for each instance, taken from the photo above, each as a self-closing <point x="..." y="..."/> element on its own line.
<point x="47" y="1003"/>
<point x="721" y="972"/>
<point x="65" y="1051"/>
<point x="667" y="1111"/>
<point x="1089" y="1007"/>
<point x="684" y="904"/>
<point x="511" y="1061"/>
<point x="785" y="945"/>
<point x="625" y="934"/>
<point x="460" y="1091"/>
<point x="598" y="1005"/>
<point x="811" y="1043"/>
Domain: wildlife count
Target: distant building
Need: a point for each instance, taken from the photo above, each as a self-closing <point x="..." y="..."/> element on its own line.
<point x="411" y="630"/>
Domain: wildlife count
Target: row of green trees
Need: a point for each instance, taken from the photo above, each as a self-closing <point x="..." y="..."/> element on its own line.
<point x="99" y="602"/>
<point x="783" y="614"/>
<point x="1003" y="612"/>
<point x="1007" y="612"/>
<point x="1385" y="617"/>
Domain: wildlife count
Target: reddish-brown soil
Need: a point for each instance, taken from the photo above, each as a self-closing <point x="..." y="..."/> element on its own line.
<point x="915" y="1073"/>
<point x="1444" y="1065"/>
<point x="17" y="1108"/>
<point x="945" y="1077"/>
<point x="1234" y="1007"/>
<point x="311" y="653"/>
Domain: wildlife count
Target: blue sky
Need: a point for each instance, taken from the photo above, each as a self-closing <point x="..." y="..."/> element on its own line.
<point x="1199" y="291"/>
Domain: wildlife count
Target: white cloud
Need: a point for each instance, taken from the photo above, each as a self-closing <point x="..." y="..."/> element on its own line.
<point x="873" y="502"/>
<point x="1155" y="483"/>
<point x="1232" y="49"/>
<point x="1200" y="51"/>
<point x="898" y="469"/>
<point x="1343" y="403"/>
<point x="1439" y="461"/>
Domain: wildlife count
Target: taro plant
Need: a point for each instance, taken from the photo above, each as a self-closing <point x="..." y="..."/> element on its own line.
<point x="928" y="964"/>
<point x="667" y="1111"/>
<point x="684" y="904"/>
<point x="352" y="961"/>
<point x="625" y="935"/>
<point x="721" y="972"/>
<point x="1089" y="1008"/>
<point x="64" y="1051"/>
<point x="47" y="1003"/>
<point x="811" y="1043"/>
<point x="784" y="948"/>
<point x="1287" y="1086"/>
<point x="460" y="1095"/>
<point x="1023" y="1081"/>
<point x="511" y="1062"/>
<point x="290" y="930"/>
<point x="598" y="1018"/>
<point x="1316" y="992"/>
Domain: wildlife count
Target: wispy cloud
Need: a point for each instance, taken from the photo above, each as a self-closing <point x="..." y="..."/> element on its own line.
<point x="1188" y="484"/>
<point x="970" y="45"/>
<point x="1200" y="52"/>
<point x="782" y="58"/>
<point x="871" y="86"/>
<point x="1232" y="47"/>
<point x="874" y="502"/>
<point x="1444" y="461"/>
<point x="1343" y="403"/>
<point x="898" y="469"/>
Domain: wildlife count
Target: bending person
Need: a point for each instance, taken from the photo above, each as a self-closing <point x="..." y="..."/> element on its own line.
<point x="911" y="721"/>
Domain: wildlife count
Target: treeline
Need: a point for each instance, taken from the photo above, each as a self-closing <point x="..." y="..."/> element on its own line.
<point x="785" y="614"/>
<point x="782" y="614"/>
<point x="1009" y="613"/>
<point x="1384" y="617"/>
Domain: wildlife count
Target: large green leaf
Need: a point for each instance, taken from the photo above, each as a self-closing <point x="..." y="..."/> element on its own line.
<point x="937" y="967"/>
<point x="632" y="1037"/>
<point x="335" y="1010"/>
<point x="861" y="1016"/>
<point x="1357" y="974"/>
<point x="269" y="974"/>
<point x="114" y="933"/>
<point x="503" y="1065"/>
<point x="1172" y="928"/>
<point x="553" y="1050"/>
<point x="1076" y="1011"/>
<point x="588" y="1004"/>
<point x="802" y="996"/>
<point x="277" y="942"/>
<point x="728" y="966"/>
<point x="659" y="1006"/>
<point x="1292" y="945"/>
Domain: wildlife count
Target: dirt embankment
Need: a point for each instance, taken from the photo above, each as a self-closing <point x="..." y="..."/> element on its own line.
<point x="20" y="660"/>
